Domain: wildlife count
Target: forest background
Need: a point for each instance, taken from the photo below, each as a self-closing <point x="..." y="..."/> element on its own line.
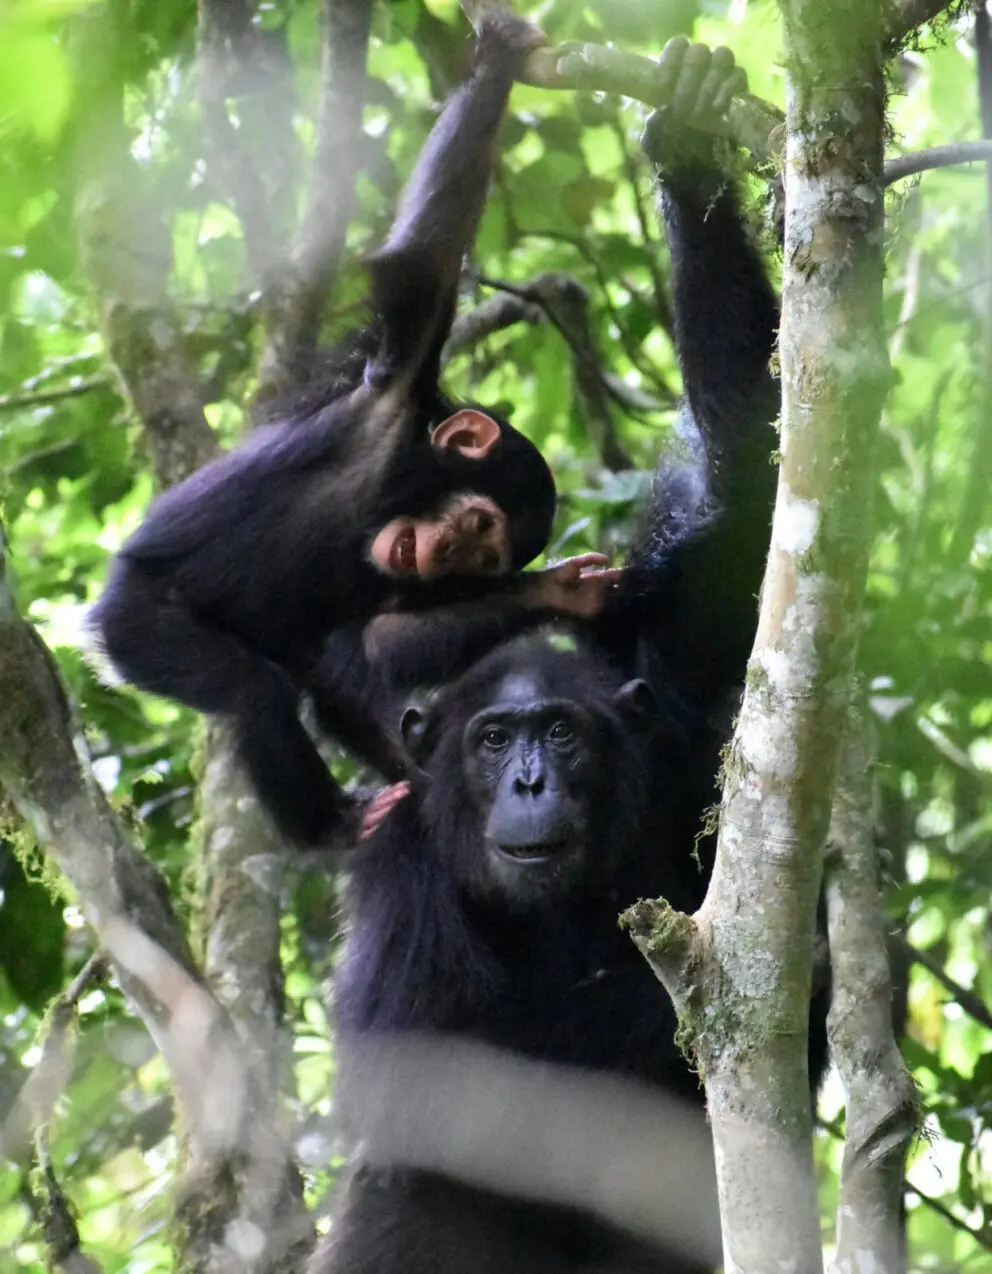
<point x="192" y="253"/>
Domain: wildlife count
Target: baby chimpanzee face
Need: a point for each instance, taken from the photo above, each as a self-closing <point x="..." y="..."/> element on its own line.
<point x="467" y="536"/>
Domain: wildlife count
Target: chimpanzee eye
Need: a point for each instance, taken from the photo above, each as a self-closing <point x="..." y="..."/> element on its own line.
<point x="560" y="732"/>
<point x="484" y="523"/>
<point x="495" y="737"/>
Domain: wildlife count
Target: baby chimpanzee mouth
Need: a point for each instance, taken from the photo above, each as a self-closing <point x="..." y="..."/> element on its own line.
<point x="403" y="558"/>
<point x="537" y="852"/>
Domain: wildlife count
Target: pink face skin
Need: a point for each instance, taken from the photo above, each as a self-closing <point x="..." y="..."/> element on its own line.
<point x="467" y="537"/>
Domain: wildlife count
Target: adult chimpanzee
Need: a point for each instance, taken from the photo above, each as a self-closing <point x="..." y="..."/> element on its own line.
<point x="558" y="786"/>
<point x="357" y="502"/>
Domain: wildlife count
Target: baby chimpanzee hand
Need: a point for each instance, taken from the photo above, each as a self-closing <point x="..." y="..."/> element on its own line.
<point x="700" y="84"/>
<point x="578" y="586"/>
<point x="379" y="806"/>
<point x="503" y="34"/>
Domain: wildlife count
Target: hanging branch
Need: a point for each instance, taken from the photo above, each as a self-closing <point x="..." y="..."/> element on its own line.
<point x="750" y="121"/>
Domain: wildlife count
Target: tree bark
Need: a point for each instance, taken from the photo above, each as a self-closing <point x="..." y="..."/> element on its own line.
<point x="880" y="1095"/>
<point x="740" y="970"/>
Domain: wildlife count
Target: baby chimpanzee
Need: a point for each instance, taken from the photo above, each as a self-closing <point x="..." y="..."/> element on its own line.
<point x="377" y="496"/>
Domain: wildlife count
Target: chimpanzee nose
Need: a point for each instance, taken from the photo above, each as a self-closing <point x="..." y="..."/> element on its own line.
<point x="528" y="784"/>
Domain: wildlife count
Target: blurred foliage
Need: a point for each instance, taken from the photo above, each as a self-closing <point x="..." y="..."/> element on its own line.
<point x="572" y="195"/>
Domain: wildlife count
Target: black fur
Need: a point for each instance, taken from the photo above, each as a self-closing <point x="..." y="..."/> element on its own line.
<point x="224" y="597"/>
<point x="604" y="757"/>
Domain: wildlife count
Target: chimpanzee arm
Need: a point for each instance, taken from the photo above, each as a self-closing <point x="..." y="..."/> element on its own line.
<point x="726" y="313"/>
<point x="415" y="274"/>
<point x="365" y="673"/>
<point x="696" y="576"/>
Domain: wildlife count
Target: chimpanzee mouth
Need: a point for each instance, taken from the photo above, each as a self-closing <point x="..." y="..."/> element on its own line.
<point x="403" y="558"/>
<point x="537" y="852"/>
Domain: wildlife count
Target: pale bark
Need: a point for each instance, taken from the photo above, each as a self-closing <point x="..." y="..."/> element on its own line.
<point x="241" y="1204"/>
<point x="880" y="1095"/>
<point x="740" y="971"/>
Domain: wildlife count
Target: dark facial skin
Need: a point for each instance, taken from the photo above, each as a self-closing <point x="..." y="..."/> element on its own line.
<point x="526" y="758"/>
<point x="467" y="536"/>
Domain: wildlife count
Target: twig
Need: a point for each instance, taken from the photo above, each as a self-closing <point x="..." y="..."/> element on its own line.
<point x="981" y="1238"/>
<point x="968" y="1000"/>
<point x="537" y="292"/>
<point x="650" y="373"/>
<point x="492" y="315"/>
<point x="58" y="1221"/>
<point x="47" y="1081"/>
<point x="46" y="397"/>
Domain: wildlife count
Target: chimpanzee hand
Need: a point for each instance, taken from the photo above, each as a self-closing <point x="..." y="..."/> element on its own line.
<point x="379" y="806"/>
<point x="506" y="39"/>
<point x="578" y="586"/>
<point x="700" y="85"/>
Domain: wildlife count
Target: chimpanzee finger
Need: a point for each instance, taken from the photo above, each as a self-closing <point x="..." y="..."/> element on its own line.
<point x="669" y="63"/>
<point x="721" y="64"/>
<point x="733" y="86"/>
<point x="695" y="64"/>
<point x="583" y="560"/>
<point x="611" y="575"/>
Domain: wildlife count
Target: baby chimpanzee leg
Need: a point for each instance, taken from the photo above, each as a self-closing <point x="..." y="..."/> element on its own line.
<point x="154" y="639"/>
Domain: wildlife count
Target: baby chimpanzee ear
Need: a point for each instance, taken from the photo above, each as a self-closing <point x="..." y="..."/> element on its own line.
<point x="471" y="433"/>
<point x="636" y="699"/>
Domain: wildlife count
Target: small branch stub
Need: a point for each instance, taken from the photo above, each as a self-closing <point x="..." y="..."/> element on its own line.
<point x="670" y="942"/>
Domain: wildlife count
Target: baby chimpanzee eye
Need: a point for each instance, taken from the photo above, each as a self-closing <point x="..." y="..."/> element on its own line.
<point x="484" y="522"/>
<point x="560" y="732"/>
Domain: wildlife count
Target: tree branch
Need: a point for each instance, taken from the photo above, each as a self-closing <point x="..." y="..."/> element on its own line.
<point x="906" y="15"/>
<point x="492" y="315"/>
<point x="229" y="1103"/>
<point x="879" y="1092"/>
<point x="750" y="122"/>
<point x="126" y="251"/>
<point x="936" y="157"/>
<point x="48" y="397"/>
<point x="972" y="1004"/>
<point x="337" y="154"/>
<point x="226" y="39"/>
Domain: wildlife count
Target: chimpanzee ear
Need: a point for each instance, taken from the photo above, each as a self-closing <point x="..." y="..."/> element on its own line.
<point x="636" y="698"/>
<point x="413" y="730"/>
<point x="471" y="433"/>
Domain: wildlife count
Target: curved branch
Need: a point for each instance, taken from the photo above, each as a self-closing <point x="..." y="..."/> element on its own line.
<point x="919" y="161"/>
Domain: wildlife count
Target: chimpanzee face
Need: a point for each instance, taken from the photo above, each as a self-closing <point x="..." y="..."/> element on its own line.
<point x="467" y="536"/>
<point x="528" y="762"/>
<point x="534" y="762"/>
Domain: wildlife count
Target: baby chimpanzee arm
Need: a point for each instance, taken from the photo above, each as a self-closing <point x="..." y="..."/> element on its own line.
<point x="415" y="274"/>
<point x="409" y="649"/>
